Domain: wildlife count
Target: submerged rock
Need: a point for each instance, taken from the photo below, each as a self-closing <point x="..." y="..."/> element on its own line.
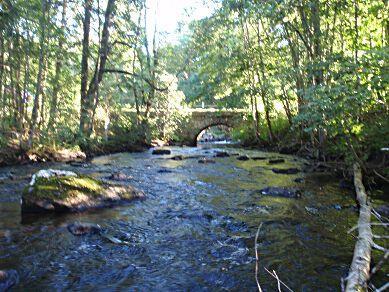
<point x="281" y="192"/>
<point x="78" y="164"/>
<point x="286" y="171"/>
<point x="275" y="161"/>
<point x="222" y="154"/>
<point x="80" y="228"/>
<point x="165" y="170"/>
<point x="8" y="279"/>
<point x="243" y="157"/>
<point x="120" y="176"/>
<point x="258" y="158"/>
<point x="298" y="180"/>
<point x="206" y="160"/>
<point x="161" y="151"/>
<point x="177" y="157"/>
<point x="65" y="191"/>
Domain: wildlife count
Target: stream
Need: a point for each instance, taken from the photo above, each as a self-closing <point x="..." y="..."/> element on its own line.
<point x="195" y="231"/>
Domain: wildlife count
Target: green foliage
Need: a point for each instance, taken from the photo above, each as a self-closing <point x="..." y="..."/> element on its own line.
<point x="323" y="64"/>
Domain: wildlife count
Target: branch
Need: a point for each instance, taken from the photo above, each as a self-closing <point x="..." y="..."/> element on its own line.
<point x="360" y="265"/>
<point x="381" y="176"/>
<point x="122" y="43"/>
<point x="257" y="258"/>
<point x="383" y="288"/>
<point x="309" y="50"/>
<point x="379" y="265"/>
<point x="278" y="279"/>
<point x="148" y="81"/>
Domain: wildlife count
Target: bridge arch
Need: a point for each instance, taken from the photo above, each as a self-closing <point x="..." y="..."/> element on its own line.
<point x="197" y="136"/>
<point x="202" y="119"/>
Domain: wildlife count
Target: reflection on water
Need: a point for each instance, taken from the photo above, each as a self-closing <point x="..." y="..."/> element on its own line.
<point x="195" y="230"/>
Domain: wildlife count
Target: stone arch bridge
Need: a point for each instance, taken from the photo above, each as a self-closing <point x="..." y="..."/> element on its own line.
<point x="201" y="119"/>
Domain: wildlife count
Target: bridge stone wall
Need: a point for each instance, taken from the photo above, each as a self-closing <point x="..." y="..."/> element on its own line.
<point x="201" y="119"/>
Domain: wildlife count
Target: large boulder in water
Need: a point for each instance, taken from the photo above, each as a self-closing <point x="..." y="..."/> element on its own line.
<point x="243" y="157"/>
<point x="81" y="228"/>
<point x="65" y="191"/>
<point x="206" y="160"/>
<point x="222" y="154"/>
<point x="161" y="151"/>
<point x="276" y="161"/>
<point x="281" y="192"/>
<point x="286" y="170"/>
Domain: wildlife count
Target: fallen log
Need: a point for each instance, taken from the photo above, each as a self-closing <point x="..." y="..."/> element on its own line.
<point x="359" y="272"/>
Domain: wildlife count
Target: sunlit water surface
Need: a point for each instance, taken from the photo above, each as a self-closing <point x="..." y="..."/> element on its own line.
<point x="195" y="231"/>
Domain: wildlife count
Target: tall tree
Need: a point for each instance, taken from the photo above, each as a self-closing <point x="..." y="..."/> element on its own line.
<point x="58" y="69"/>
<point x="85" y="113"/>
<point x="38" y="86"/>
<point x="87" y="95"/>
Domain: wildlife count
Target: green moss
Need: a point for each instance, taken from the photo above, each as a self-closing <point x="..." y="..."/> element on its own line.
<point x="64" y="187"/>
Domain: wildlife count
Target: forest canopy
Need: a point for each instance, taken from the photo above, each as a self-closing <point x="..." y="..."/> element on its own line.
<point x="309" y="73"/>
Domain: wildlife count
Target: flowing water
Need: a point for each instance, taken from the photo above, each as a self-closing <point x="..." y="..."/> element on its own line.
<point x="195" y="231"/>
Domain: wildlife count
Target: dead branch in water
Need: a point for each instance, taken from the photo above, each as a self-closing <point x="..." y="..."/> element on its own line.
<point x="278" y="279"/>
<point x="383" y="288"/>
<point x="257" y="258"/>
<point x="367" y="224"/>
<point x="379" y="265"/>
<point x="273" y="274"/>
<point x="359" y="272"/>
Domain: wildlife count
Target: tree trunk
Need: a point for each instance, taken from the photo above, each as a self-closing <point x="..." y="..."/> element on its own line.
<point x="294" y="53"/>
<point x="262" y="79"/>
<point x="250" y="77"/>
<point x="2" y="67"/>
<point x="26" y="81"/>
<point x="100" y="66"/>
<point x="317" y="50"/>
<point x="58" y="69"/>
<point x="85" y="103"/>
<point x="360" y="266"/>
<point x="38" y="87"/>
<point x="356" y="31"/>
<point x="286" y="105"/>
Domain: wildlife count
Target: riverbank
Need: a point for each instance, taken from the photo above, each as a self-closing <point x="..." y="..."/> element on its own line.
<point x="14" y="155"/>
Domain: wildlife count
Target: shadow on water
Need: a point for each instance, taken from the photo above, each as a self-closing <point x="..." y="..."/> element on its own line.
<point x="195" y="230"/>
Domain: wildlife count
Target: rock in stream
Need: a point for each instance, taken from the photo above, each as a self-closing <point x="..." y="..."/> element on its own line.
<point x="286" y="171"/>
<point x="161" y="152"/>
<point x="65" y="191"/>
<point x="281" y="192"/>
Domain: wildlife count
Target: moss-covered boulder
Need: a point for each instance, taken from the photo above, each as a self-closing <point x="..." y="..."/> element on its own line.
<point x="65" y="191"/>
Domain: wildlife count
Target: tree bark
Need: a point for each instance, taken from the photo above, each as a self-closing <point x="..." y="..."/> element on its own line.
<point x="261" y="79"/>
<point x="85" y="106"/>
<point x="87" y="95"/>
<point x="2" y="67"/>
<point x="26" y="81"/>
<point x="58" y="70"/>
<point x="360" y="266"/>
<point x="38" y="87"/>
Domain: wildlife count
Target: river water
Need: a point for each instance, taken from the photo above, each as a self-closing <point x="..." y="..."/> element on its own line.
<point x="195" y="231"/>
